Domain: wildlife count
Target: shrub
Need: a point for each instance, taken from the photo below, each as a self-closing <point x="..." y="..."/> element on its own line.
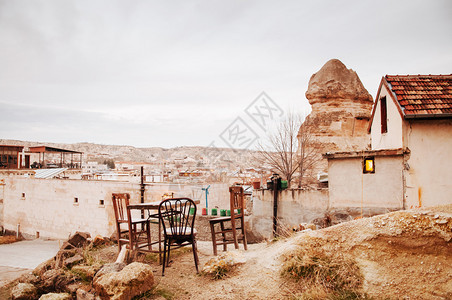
<point x="220" y="266"/>
<point x="320" y="271"/>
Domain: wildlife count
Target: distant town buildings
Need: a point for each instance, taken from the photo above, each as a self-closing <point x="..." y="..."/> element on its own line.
<point x="38" y="157"/>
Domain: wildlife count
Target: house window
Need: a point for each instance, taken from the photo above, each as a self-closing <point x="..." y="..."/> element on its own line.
<point x="369" y="165"/>
<point x="101" y="202"/>
<point x="75" y="200"/>
<point x="384" y="115"/>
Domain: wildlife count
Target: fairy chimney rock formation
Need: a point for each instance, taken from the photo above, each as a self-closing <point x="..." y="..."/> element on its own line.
<point x="341" y="109"/>
<point x="336" y="84"/>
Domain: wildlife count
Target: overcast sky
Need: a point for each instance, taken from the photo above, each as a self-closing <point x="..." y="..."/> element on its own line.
<point x="175" y="73"/>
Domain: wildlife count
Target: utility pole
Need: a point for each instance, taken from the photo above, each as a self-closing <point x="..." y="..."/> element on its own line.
<point x="276" y="180"/>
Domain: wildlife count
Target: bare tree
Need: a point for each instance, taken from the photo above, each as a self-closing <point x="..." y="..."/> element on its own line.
<point x="281" y="151"/>
<point x="291" y="150"/>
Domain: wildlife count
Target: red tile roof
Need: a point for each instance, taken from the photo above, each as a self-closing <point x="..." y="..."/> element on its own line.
<point x="422" y="95"/>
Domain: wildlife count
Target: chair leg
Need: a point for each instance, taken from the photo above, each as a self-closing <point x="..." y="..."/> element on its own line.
<point x="132" y="238"/>
<point x="234" y="235"/>
<point x="195" y="254"/>
<point x="118" y="237"/>
<point x="225" y="246"/>
<point x="214" y="238"/>
<point x="245" y="242"/>
<point x="168" y="255"/>
<point x="160" y="242"/>
<point x="119" y="245"/>
<point x="164" y="258"/>
<point x="148" y="234"/>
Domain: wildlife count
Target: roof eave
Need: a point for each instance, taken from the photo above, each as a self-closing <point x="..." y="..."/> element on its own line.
<point x="41" y="149"/>
<point x="387" y="85"/>
<point x="365" y="153"/>
<point x="375" y="105"/>
<point x="428" y="116"/>
<point x="400" y="109"/>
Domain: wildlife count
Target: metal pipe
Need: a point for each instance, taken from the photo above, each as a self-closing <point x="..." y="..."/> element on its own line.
<point x="142" y="189"/>
<point x="142" y="184"/>
<point x="275" y="204"/>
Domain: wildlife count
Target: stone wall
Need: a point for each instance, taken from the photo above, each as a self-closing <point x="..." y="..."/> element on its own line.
<point x="48" y="206"/>
<point x="353" y="193"/>
<point x="349" y="187"/>
<point x="295" y="206"/>
<point x="2" y="184"/>
<point x="428" y="179"/>
<point x="57" y="208"/>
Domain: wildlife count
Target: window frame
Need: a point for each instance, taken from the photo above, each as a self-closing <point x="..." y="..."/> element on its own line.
<point x="365" y="171"/>
<point x="384" y="114"/>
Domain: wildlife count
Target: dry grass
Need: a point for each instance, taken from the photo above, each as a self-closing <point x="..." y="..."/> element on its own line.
<point x="221" y="266"/>
<point x="8" y="239"/>
<point x="322" y="274"/>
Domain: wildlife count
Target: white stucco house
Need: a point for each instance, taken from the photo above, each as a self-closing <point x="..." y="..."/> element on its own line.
<point x="410" y="160"/>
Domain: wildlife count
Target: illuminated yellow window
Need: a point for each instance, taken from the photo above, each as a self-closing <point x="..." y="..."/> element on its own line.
<point x="369" y="165"/>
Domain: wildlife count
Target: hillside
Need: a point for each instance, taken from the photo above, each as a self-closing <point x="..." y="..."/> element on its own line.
<point x="230" y="158"/>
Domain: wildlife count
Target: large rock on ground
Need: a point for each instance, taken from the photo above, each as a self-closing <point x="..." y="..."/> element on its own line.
<point x="62" y="255"/>
<point x="54" y="280"/>
<point x="86" y="272"/>
<point x="56" y="296"/>
<point x="131" y="281"/>
<point x="84" y="295"/>
<point x="49" y="279"/>
<point x="73" y="260"/>
<point x="29" y="278"/>
<point x="44" y="267"/>
<point x="79" y="239"/>
<point x="24" y="291"/>
<point x="109" y="268"/>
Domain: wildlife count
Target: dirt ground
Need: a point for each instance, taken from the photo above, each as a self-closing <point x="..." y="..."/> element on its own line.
<point x="253" y="279"/>
<point x="257" y="278"/>
<point x="402" y="255"/>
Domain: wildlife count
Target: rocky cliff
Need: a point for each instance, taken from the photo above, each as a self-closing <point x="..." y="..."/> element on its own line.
<point x="341" y="109"/>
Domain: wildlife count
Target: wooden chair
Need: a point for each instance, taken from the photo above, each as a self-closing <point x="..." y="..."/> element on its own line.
<point x="236" y="220"/>
<point x="136" y="237"/>
<point x="177" y="216"/>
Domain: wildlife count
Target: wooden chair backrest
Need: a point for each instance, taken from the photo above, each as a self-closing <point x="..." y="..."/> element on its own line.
<point x="174" y="213"/>
<point x="237" y="203"/>
<point x="120" y="202"/>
